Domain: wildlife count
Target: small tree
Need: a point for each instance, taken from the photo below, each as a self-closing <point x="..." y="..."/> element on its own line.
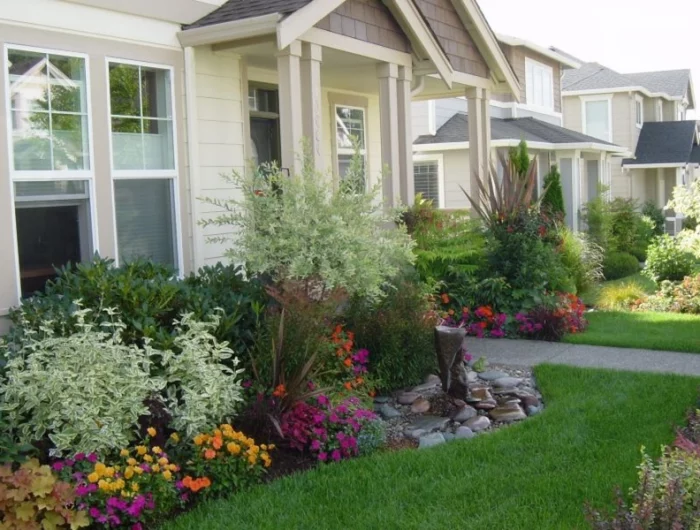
<point x="553" y="200"/>
<point x="520" y="158"/>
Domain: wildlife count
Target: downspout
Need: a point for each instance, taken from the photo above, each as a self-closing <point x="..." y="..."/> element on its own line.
<point x="193" y="155"/>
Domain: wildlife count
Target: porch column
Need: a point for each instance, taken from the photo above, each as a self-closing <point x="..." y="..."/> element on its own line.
<point x="290" y="101"/>
<point x="576" y="190"/>
<point x="679" y="182"/>
<point x="389" y="124"/>
<point x="311" y="56"/>
<point x="661" y="188"/>
<point x="479" y="137"/>
<point x="408" y="191"/>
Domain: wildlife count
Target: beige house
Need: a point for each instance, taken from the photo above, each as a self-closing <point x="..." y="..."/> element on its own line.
<point x="119" y="114"/>
<point x="442" y="147"/>
<point x="645" y="113"/>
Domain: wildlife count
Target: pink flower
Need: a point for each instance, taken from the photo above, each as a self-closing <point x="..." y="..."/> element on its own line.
<point x="57" y="466"/>
<point x="335" y="455"/>
<point x="247" y="384"/>
<point x="467" y="357"/>
<point x="323" y="400"/>
<point x="323" y="457"/>
<point x="92" y="458"/>
<point x="80" y="457"/>
<point x="315" y="445"/>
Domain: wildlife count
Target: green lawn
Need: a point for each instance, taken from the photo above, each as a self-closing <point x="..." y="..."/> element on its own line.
<point x="535" y="475"/>
<point x="647" y="330"/>
<point x="590" y="297"/>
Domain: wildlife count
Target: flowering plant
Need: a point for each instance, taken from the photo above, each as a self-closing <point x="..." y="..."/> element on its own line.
<point x="352" y="369"/>
<point x="482" y="322"/>
<point x="225" y="461"/>
<point x="551" y="323"/>
<point x="329" y="432"/>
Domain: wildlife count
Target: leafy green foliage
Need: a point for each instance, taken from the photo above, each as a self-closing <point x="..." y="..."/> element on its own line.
<point x="597" y="216"/>
<point x="619" y="265"/>
<point x="582" y="258"/>
<point x="666" y="260"/>
<point x="686" y="199"/>
<point x="689" y="241"/>
<point x="303" y="229"/>
<point x="553" y="200"/>
<point x="681" y="297"/>
<point x="620" y="296"/>
<point x="656" y="214"/>
<point x="624" y="223"/>
<point x="520" y="159"/>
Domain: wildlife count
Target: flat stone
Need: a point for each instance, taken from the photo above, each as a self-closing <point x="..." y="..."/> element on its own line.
<point x="464" y="433"/>
<point x="481" y="393"/>
<point x="388" y="412"/>
<point x="407" y="398"/>
<point x="478" y="423"/>
<point x="425" y="386"/>
<point x="459" y="403"/>
<point x="463" y="414"/>
<point x="420" y="406"/>
<point x="472" y="377"/>
<point x="507" y="382"/>
<point x="448" y="436"/>
<point x="416" y="434"/>
<point x="504" y="391"/>
<point x="432" y="378"/>
<point x="529" y="401"/>
<point x="381" y="399"/>
<point x="533" y="411"/>
<point x="431" y="440"/>
<point x="508" y="413"/>
<point x="428" y="423"/>
<point x="487" y="404"/>
<point x="492" y="375"/>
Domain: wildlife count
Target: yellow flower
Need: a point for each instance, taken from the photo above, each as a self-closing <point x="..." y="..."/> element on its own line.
<point x="147" y="458"/>
<point x="155" y="468"/>
<point x="134" y="486"/>
<point x="141" y="450"/>
<point x="263" y="447"/>
<point x="128" y="472"/>
<point x="100" y="468"/>
<point x="93" y="477"/>
<point x="157" y="450"/>
<point x="163" y="461"/>
<point x="175" y="437"/>
<point x="138" y="470"/>
<point x="252" y="459"/>
<point x="124" y="452"/>
<point x="233" y="448"/>
<point x="131" y="461"/>
<point x="109" y="472"/>
<point x="151" y="432"/>
<point x="199" y="439"/>
<point x="167" y="475"/>
<point x="103" y="485"/>
<point x="218" y="433"/>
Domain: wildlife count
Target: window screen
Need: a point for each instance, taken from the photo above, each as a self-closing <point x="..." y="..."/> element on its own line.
<point x="598" y="119"/>
<point x="425" y="175"/>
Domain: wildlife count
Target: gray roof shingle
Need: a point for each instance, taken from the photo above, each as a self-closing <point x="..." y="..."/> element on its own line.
<point x="671" y="82"/>
<point x="241" y="9"/>
<point x="456" y="129"/>
<point x="665" y="142"/>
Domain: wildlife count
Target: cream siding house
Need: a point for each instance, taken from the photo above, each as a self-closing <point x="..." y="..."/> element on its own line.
<point x="120" y="114"/>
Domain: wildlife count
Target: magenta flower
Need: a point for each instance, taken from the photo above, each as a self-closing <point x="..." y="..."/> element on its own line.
<point x="323" y="457"/>
<point x="323" y="400"/>
<point x="247" y="384"/>
<point x="467" y="357"/>
<point x="335" y="455"/>
<point x="361" y="356"/>
<point x="315" y="445"/>
<point x="92" y="458"/>
<point x="80" y="457"/>
<point x="57" y="466"/>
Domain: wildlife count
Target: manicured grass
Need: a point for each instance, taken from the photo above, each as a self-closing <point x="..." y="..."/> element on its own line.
<point x="535" y="475"/>
<point x="646" y="330"/>
<point x="590" y="297"/>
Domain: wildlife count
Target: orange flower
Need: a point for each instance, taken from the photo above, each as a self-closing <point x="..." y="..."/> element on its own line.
<point x="372" y="393"/>
<point x="209" y="454"/>
<point x="351" y="335"/>
<point x="347" y="346"/>
<point x="348" y="385"/>
<point x="359" y="380"/>
<point x="338" y="330"/>
<point x="280" y="391"/>
<point x="217" y="443"/>
<point x="347" y="362"/>
<point x="445" y="298"/>
<point x="339" y="353"/>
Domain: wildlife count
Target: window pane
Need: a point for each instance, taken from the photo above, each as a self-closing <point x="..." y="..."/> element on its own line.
<point x="145" y="222"/>
<point x="127" y="143"/>
<point x="67" y="84"/>
<point x="51" y="188"/>
<point x="158" y="144"/>
<point x="124" y="90"/>
<point x="155" y="92"/>
<point x="69" y="141"/>
<point x="425" y="175"/>
<point x="31" y="142"/>
<point x="597" y="123"/>
<point x="350" y="125"/>
<point x="28" y="80"/>
<point x="345" y="171"/>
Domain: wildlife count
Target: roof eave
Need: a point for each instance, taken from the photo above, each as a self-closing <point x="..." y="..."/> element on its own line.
<point x="228" y="31"/>
<point x="615" y="90"/>
<point x="515" y="41"/>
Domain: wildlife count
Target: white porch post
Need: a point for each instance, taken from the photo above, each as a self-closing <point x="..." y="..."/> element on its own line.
<point x="290" y="99"/>
<point x="407" y="184"/>
<point x="389" y="122"/>
<point x="661" y="188"/>
<point x="576" y="190"/>
<point x="311" y="57"/>
<point x="679" y="182"/>
<point x="479" y="136"/>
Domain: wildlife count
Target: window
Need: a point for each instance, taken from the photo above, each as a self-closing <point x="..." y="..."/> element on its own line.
<point x="659" y="110"/>
<point x="597" y="119"/>
<point x="427" y="181"/>
<point x="639" y="111"/>
<point x="350" y="132"/>
<point x="539" y="84"/>
<point x="50" y="164"/>
<point x="143" y="162"/>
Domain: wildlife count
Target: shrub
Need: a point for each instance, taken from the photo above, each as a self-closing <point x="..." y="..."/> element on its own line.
<point x="372" y="437"/>
<point x="582" y="258"/>
<point x="398" y="331"/>
<point x="228" y="460"/>
<point x="618" y="296"/>
<point x="666" y="260"/>
<point x="520" y="158"/>
<point x="31" y="496"/>
<point x="687" y="200"/>
<point x="201" y="389"/>
<point x="619" y="265"/>
<point x="689" y="241"/>
<point x="553" y="200"/>
<point x="683" y="297"/>
<point x="551" y="322"/>
<point x="598" y="218"/>
<point x="625" y="223"/>
<point x="85" y="392"/>
<point x="657" y="217"/>
<point x="305" y="229"/>
<point x="329" y="432"/>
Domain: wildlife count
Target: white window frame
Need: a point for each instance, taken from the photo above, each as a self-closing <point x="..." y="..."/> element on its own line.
<point x="639" y="116"/>
<point x="597" y="99"/>
<point x="659" y="110"/>
<point x="52" y="175"/>
<point x="440" y="160"/>
<point x="364" y="151"/>
<point x="148" y="174"/>
<point x="530" y="86"/>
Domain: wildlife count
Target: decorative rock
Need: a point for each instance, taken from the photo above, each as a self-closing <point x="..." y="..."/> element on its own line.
<point x="529" y="401"/>
<point x="504" y="382"/>
<point x="487" y="404"/>
<point x="463" y="414"/>
<point x="459" y="403"/>
<point x="432" y="378"/>
<point x="428" y="423"/>
<point x="407" y="398"/>
<point x="431" y="440"/>
<point x="381" y="399"/>
<point x="388" y="412"/>
<point x="492" y="375"/>
<point x="425" y="386"/>
<point x="464" y="433"/>
<point x="481" y="393"/>
<point x="472" y="377"/>
<point x="420" y="406"/>
<point x="508" y="412"/>
<point x="448" y="436"/>
<point x="453" y="374"/>
<point x="533" y="411"/>
<point x="416" y="434"/>
<point x="479" y="423"/>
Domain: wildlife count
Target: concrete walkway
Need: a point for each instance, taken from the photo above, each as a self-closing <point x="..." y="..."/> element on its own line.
<point x="530" y="353"/>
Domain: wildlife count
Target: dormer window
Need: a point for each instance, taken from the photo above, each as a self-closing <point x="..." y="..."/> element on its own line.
<point x="539" y="81"/>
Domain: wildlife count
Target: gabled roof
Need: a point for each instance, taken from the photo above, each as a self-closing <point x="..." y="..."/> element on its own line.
<point x="563" y="59"/>
<point x="456" y="130"/>
<point x="665" y="142"/>
<point x="672" y="82"/>
<point x="242" y="9"/>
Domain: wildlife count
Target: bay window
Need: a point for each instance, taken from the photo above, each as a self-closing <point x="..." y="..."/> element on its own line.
<point x="539" y="81"/>
<point x="143" y="162"/>
<point x="597" y="119"/>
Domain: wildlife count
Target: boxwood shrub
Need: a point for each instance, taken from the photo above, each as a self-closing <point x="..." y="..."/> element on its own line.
<point x="619" y="265"/>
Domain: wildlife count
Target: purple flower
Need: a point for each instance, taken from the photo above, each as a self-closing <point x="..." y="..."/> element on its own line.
<point x="323" y="457"/>
<point x="315" y="445"/>
<point x="467" y="357"/>
<point x="145" y="467"/>
<point x="361" y="356"/>
<point x="323" y="400"/>
<point x="497" y="333"/>
<point x="137" y="526"/>
<point x="80" y="457"/>
<point x="68" y="462"/>
<point x="57" y="466"/>
<point x="179" y="485"/>
<point x="92" y="458"/>
<point x="335" y="455"/>
<point x="81" y="490"/>
<point x="247" y="384"/>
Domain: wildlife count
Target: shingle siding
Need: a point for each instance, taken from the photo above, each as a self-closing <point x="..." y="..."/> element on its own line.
<point x="516" y="55"/>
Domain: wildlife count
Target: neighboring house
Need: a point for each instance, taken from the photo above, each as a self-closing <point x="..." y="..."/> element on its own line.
<point x="645" y="113"/>
<point x="121" y="113"/>
<point x="442" y="150"/>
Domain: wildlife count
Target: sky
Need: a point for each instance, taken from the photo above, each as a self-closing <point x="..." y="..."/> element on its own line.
<point x="625" y="35"/>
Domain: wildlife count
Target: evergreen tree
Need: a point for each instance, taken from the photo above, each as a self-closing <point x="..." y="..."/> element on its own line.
<point x="553" y="200"/>
<point x="520" y="158"/>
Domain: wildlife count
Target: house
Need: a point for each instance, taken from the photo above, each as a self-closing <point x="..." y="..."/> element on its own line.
<point x="442" y="148"/>
<point x="120" y="114"/>
<point x="645" y="113"/>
